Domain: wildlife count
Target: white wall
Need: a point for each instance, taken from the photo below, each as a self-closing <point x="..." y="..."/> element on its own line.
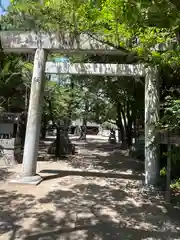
<point x="106" y="133"/>
<point x="6" y="128"/>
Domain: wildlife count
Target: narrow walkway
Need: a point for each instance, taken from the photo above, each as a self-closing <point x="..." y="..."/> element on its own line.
<point x="96" y="195"/>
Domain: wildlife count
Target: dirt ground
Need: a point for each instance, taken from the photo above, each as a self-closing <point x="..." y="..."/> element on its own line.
<point x="94" y="195"/>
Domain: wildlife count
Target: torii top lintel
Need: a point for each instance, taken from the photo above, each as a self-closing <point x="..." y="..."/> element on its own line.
<point x="19" y="41"/>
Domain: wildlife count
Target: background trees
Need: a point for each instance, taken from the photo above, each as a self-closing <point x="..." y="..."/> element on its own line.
<point x="145" y="31"/>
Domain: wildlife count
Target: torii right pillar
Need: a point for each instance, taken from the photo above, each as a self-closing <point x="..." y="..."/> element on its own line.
<point x="152" y="107"/>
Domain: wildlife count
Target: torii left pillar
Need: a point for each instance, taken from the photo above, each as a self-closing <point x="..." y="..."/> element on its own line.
<point x="31" y="145"/>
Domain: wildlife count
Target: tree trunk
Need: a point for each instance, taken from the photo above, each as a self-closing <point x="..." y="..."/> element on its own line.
<point x="83" y="129"/>
<point x="84" y="126"/>
<point x="57" y="141"/>
<point x="125" y="142"/>
<point x="63" y="145"/>
<point x="168" y="174"/>
<point x="120" y="124"/>
<point x="134" y="114"/>
<point x="21" y="132"/>
<point x="44" y="126"/>
<point x="135" y="129"/>
<point x="120" y="133"/>
<point x="26" y="100"/>
<point x="129" y="126"/>
<point x="70" y="108"/>
<point x="1" y="54"/>
<point x="129" y="132"/>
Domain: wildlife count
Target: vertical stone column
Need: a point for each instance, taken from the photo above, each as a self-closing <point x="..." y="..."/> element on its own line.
<point x="34" y="120"/>
<point x="152" y="106"/>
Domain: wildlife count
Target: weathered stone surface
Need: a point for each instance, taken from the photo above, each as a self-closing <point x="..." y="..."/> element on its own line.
<point x="10" y="151"/>
<point x="28" y="41"/>
<point x="96" y="69"/>
<point x="12" y="157"/>
<point x="31" y="144"/>
<point x="29" y="180"/>
<point x="170" y="138"/>
<point x="10" y="143"/>
<point x="10" y="160"/>
<point x="152" y="107"/>
<point x="65" y="146"/>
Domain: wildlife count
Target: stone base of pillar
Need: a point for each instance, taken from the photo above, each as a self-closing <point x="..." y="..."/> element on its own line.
<point x="32" y="180"/>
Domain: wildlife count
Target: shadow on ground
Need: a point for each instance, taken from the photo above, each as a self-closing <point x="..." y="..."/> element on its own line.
<point x="89" y="205"/>
<point x="4" y="174"/>
<point x="87" y="211"/>
<point x="105" y="156"/>
<point x="61" y="173"/>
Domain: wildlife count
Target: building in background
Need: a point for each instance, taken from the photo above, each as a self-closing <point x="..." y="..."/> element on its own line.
<point x="64" y="78"/>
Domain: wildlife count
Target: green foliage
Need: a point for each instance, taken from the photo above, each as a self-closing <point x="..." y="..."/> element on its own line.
<point x="171" y="117"/>
<point x="109" y="125"/>
<point x="58" y="100"/>
<point x="163" y="172"/>
<point x="14" y="77"/>
<point x="100" y="108"/>
<point x="138" y="27"/>
<point x="175" y="185"/>
<point x="141" y="27"/>
<point x="175" y="154"/>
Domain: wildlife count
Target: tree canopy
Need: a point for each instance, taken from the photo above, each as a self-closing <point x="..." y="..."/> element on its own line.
<point x="147" y="31"/>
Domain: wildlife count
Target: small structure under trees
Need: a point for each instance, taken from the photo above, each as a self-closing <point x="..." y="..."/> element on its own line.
<point x="43" y="43"/>
<point x="170" y="138"/>
<point x="62" y="146"/>
<point x="10" y="139"/>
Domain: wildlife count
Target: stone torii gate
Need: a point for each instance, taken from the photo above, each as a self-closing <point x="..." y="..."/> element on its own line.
<point x="44" y="43"/>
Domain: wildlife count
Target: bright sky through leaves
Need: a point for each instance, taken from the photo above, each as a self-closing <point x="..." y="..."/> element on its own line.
<point x="3" y="5"/>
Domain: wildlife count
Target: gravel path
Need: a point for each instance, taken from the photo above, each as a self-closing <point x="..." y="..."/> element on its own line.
<point x="96" y="195"/>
